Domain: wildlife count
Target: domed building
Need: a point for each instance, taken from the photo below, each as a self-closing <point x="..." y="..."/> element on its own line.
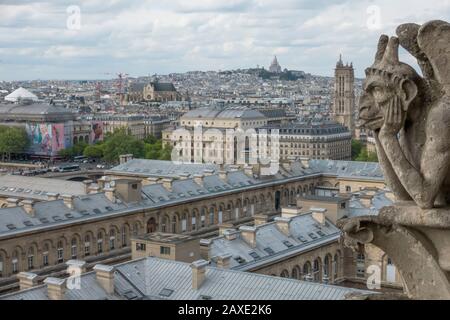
<point x="275" y="66"/>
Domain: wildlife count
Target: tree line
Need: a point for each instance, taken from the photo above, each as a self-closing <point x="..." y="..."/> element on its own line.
<point x="360" y="153"/>
<point x="12" y="140"/>
<point x="117" y="143"/>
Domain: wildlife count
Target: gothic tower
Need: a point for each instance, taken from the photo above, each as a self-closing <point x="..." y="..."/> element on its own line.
<point x="344" y="95"/>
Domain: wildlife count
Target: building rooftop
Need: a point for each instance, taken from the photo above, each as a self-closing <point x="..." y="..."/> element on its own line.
<point x="159" y="279"/>
<point x="21" y="93"/>
<point x="305" y="233"/>
<point x="16" y="186"/>
<point x="161" y="237"/>
<point x="160" y="168"/>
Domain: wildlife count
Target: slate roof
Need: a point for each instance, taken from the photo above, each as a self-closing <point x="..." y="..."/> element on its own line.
<point x="160" y="279"/>
<point x="271" y="244"/>
<point x="16" y="186"/>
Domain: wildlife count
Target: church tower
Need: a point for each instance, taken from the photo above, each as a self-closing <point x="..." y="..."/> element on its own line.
<point x="344" y="95"/>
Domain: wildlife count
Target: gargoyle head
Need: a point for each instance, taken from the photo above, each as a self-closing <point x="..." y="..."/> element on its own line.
<point x="386" y="79"/>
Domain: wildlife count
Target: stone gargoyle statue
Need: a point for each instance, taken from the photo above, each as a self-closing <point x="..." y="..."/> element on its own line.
<point x="409" y="116"/>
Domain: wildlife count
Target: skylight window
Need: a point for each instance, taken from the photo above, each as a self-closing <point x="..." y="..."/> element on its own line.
<point x="28" y="223"/>
<point x="96" y="210"/>
<point x="269" y="250"/>
<point x="11" y="226"/>
<point x="254" y="255"/>
<point x="166" y="292"/>
<point x="288" y="244"/>
<point x="302" y="239"/>
<point x="312" y="235"/>
<point x="43" y="220"/>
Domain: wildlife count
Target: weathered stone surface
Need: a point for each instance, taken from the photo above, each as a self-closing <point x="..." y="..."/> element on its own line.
<point x="410" y="118"/>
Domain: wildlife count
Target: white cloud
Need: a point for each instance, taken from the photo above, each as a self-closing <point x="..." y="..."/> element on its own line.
<point x="154" y="36"/>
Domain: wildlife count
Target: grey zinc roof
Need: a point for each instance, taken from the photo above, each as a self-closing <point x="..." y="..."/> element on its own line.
<point x="36" y="187"/>
<point x="269" y="236"/>
<point x="227" y="113"/>
<point x="160" y="168"/>
<point x="348" y="168"/>
<point x="147" y="278"/>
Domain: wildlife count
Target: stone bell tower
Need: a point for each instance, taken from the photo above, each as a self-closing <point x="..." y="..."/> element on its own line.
<point x="344" y="95"/>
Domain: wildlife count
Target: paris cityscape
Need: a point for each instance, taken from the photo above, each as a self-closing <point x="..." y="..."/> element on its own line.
<point x="240" y="150"/>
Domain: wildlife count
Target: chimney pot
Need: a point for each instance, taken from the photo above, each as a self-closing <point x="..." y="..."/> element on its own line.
<point x="68" y="200"/>
<point x="105" y="277"/>
<point x="51" y="196"/>
<point x="248" y="234"/>
<point x="198" y="273"/>
<point x="87" y="184"/>
<point x="318" y="214"/>
<point x="223" y="261"/>
<point x="110" y="194"/>
<point x="167" y="183"/>
<point x="260" y="219"/>
<point x="28" y="207"/>
<point x="290" y="212"/>
<point x="12" y="202"/>
<point x="150" y="180"/>
<point x="198" y="178"/>
<point x="282" y="224"/>
<point x="56" y="288"/>
<point x="223" y="175"/>
<point x="27" y="280"/>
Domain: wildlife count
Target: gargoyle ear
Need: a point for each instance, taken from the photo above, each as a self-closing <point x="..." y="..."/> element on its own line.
<point x="409" y="92"/>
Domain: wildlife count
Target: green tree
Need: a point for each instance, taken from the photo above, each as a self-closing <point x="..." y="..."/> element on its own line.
<point x="166" y="153"/>
<point x="121" y="142"/>
<point x="356" y="148"/>
<point x="13" y="140"/>
<point x="367" y="156"/>
<point x="93" y="151"/>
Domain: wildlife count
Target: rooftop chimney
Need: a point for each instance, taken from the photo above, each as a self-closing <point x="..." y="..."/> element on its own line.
<point x="198" y="178"/>
<point x="27" y="280"/>
<point x="167" y="183"/>
<point x="260" y="219"/>
<point x="223" y="261"/>
<point x="230" y="234"/>
<point x="290" y="212"/>
<point x="56" y="288"/>
<point x="224" y="226"/>
<point x="205" y="245"/>
<point x="305" y="162"/>
<point x="248" y="234"/>
<point x="223" y="175"/>
<point x="68" y="200"/>
<point x="110" y="194"/>
<point x="87" y="184"/>
<point x="28" y="206"/>
<point x="198" y="273"/>
<point x="51" y="196"/>
<point x="150" y="180"/>
<point x="105" y="277"/>
<point x="208" y="172"/>
<point x="184" y="176"/>
<point x="319" y="215"/>
<point x="76" y="264"/>
<point x="283" y="225"/>
<point x="248" y="170"/>
<point x="12" y="202"/>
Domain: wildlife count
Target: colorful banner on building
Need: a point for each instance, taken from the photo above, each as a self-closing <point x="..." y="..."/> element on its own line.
<point x="46" y="139"/>
<point x="97" y="131"/>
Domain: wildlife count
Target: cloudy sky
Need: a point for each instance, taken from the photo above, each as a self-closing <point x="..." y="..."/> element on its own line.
<point x="48" y="40"/>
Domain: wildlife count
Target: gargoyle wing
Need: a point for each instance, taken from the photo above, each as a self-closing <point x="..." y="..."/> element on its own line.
<point x="434" y="41"/>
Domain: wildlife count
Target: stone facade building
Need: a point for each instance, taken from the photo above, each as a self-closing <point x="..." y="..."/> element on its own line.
<point x="153" y="91"/>
<point x="344" y="95"/>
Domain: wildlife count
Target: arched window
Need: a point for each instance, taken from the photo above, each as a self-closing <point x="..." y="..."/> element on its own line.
<point x="174" y="224"/>
<point x="1" y="265"/>
<point x="284" y="274"/>
<point x="15" y="262"/>
<point x="326" y="268"/>
<point x="336" y="267"/>
<point x="87" y="245"/>
<point x="194" y="220"/>
<point x="30" y="258"/>
<point x="316" y="270"/>
<point x="73" y="248"/>
<point x="211" y="216"/>
<point x="296" y="272"/>
<point x="307" y="271"/>
<point x="112" y="239"/>
<point x="124" y="236"/>
<point x="45" y="255"/>
<point x="60" y="252"/>
<point x="99" y="242"/>
<point x="202" y="217"/>
<point x="183" y="222"/>
<point x="164" y="224"/>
